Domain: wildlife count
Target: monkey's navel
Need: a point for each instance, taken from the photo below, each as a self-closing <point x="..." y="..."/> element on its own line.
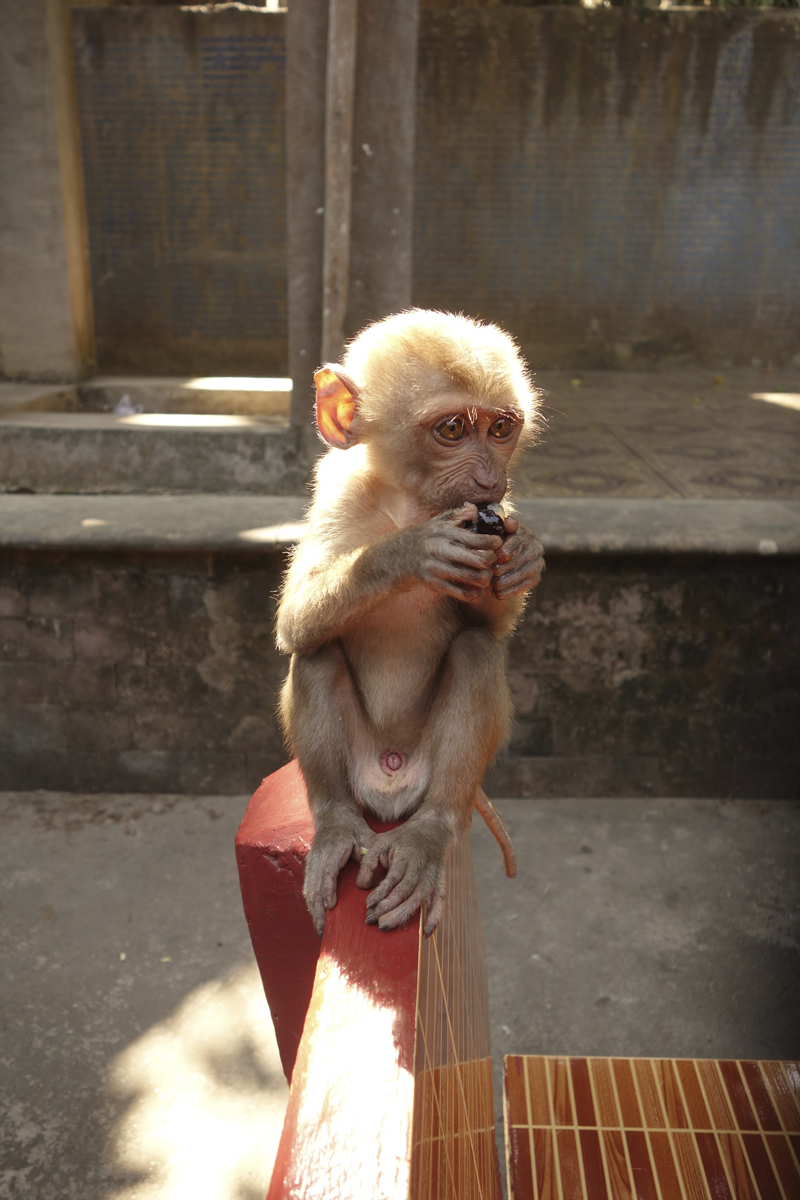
<point x="392" y="761"/>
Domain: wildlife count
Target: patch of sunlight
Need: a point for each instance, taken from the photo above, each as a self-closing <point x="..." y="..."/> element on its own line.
<point x="273" y="535"/>
<point x="345" y="1134"/>
<point x="786" y="399"/>
<point x="239" y="383"/>
<point x="89" y="521"/>
<point x="205" y="1098"/>
<point x="188" y="420"/>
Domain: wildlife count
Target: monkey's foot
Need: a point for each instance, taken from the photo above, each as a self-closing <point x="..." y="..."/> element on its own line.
<point x="415" y="858"/>
<point x="334" y="843"/>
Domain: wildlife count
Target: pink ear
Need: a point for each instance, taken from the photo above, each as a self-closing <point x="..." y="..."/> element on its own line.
<point x="337" y="417"/>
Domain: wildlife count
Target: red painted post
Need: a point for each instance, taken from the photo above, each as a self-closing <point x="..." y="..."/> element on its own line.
<point x="271" y="848"/>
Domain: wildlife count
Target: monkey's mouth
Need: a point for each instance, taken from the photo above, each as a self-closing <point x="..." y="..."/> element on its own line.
<point x="392" y="762"/>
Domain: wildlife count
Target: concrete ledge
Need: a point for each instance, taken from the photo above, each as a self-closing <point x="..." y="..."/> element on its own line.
<point x="580" y="525"/>
<point x="238" y="522"/>
<point x="196" y="522"/>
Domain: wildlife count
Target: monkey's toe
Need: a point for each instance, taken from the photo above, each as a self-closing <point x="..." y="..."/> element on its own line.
<point x="375" y="856"/>
<point x="327" y="856"/>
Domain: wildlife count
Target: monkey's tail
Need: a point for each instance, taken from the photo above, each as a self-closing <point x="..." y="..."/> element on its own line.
<point x="497" y="830"/>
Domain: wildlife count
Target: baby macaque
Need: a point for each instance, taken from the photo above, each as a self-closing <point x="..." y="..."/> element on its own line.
<point x="397" y="600"/>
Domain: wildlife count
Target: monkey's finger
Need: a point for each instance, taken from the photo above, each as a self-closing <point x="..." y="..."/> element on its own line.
<point x="476" y="541"/>
<point x="518" y="563"/>
<point x="433" y="899"/>
<point x="477" y="578"/>
<point x="317" y="910"/>
<point x="530" y="573"/>
<point x="402" y="889"/>
<point x="433" y="912"/>
<point x="395" y="875"/>
<point x="506" y="588"/>
<point x="467" y="512"/>
<point x="466" y="555"/>
<point x="369" y="865"/>
<point x="511" y="524"/>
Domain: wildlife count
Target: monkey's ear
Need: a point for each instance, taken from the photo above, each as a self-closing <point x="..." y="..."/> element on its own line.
<point x="337" y="417"/>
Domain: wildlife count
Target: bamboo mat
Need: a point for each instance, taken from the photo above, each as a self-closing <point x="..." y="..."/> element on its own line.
<point x="652" y="1129"/>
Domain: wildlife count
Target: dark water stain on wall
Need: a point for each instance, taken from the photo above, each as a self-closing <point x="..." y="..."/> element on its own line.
<point x="773" y="72"/>
<point x="599" y="181"/>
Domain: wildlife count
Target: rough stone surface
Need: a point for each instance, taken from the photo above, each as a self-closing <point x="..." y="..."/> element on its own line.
<point x="631" y="675"/>
<point x="665" y="928"/>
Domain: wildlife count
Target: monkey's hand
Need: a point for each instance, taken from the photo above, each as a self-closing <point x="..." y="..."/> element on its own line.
<point x="415" y="857"/>
<point x="519" y="563"/>
<point x="452" y="559"/>
<point x="341" y="834"/>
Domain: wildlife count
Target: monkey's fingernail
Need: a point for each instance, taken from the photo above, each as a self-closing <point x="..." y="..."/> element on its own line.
<point x="371" y="919"/>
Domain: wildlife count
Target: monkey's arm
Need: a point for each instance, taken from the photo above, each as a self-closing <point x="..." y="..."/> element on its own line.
<point x="326" y="592"/>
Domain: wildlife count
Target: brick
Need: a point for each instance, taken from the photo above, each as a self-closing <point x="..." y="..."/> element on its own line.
<point x="36" y="640"/>
<point x="98" y="729"/>
<point x="12" y="602"/>
<point x="33" y="729"/>
<point x="60" y="593"/>
<point x="21" y="683"/>
<point x="80" y="683"/>
<point x="102" y="643"/>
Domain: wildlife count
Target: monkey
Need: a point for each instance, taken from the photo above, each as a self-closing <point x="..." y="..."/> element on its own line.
<point x="394" y="612"/>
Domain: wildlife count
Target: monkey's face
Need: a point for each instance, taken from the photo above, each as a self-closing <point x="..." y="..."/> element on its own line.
<point x="465" y="453"/>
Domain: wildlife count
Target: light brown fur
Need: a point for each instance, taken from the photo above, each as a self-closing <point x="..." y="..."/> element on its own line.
<point x="394" y="613"/>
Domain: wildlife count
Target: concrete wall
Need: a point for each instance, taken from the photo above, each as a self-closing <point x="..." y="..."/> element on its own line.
<point x="615" y="185"/>
<point x="618" y="186"/>
<point x="674" y="675"/>
<point x="36" y="324"/>
<point x="183" y="149"/>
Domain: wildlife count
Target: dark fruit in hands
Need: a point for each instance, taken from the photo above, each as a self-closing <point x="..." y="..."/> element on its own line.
<point x="487" y="521"/>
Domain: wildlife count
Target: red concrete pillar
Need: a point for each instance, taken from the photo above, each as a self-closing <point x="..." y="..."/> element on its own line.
<point x="271" y="848"/>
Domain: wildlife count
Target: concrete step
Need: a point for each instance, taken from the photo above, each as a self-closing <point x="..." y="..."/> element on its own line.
<point x="149" y="452"/>
<point x="203" y="394"/>
<point x="225" y="523"/>
<point x="244" y="395"/>
<point x="38" y="397"/>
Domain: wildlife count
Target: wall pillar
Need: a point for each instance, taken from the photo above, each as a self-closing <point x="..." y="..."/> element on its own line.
<point x="45" y="298"/>
<point x="382" y="179"/>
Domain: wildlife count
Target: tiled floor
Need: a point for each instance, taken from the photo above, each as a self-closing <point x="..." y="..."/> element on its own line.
<point x="656" y="1129"/>
<point x="688" y="433"/>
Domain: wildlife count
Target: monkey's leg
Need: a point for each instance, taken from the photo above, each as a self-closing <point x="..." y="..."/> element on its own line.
<point x="468" y="722"/>
<point x="321" y="711"/>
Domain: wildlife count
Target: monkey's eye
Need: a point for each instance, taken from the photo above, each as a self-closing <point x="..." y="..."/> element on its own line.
<point x="451" y="430"/>
<point x="502" y="428"/>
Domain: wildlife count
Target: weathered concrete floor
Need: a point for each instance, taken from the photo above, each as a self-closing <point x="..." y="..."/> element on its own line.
<point x="679" y="433"/>
<point x="686" y="433"/>
<point x="136" y="1053"/>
